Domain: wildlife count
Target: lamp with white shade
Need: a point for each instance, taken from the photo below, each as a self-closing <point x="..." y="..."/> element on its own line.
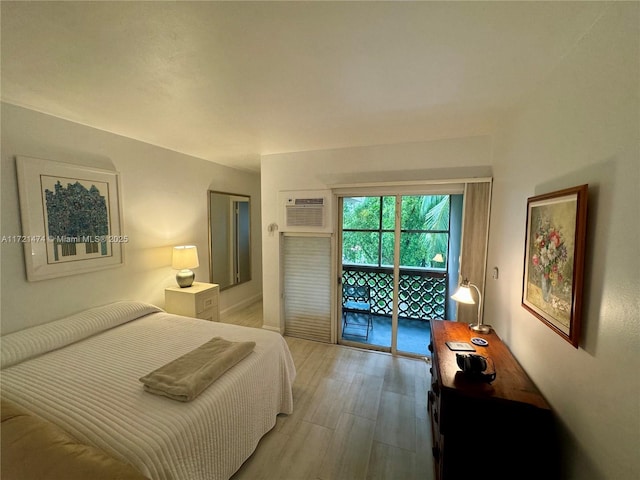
<point x="185" y="257"/>
<point x="463" y="295"/>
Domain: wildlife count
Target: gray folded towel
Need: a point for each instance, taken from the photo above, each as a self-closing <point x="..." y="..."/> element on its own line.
<point x="186" y="377"/>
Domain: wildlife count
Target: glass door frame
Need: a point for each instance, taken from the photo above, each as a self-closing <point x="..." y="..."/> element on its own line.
<point x="394" y="318"/>
<point x="393" y="348"/>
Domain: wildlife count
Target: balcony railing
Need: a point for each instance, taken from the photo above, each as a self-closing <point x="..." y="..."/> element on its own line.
<point x="422" y="293"/>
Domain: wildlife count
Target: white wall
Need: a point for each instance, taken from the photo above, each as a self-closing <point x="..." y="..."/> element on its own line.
<point x="164" y="203"/>
<point x="580" y="126"/>
<point x="318" y="170"/>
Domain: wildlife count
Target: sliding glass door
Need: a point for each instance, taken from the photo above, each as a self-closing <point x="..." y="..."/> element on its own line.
<point x="367" y="266"/>
<point x="423" y="252"/>
<point x="395" y="252"/>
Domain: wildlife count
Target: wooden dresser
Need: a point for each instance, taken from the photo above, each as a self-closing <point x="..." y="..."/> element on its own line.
<point x="480" y="430"/>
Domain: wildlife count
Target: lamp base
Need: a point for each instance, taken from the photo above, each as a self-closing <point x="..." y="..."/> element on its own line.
<point x="185" y="278"/>
<point x="480" y="328"/>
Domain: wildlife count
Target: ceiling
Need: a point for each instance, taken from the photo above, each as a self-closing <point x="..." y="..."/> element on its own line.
<point x="230" y="81"/>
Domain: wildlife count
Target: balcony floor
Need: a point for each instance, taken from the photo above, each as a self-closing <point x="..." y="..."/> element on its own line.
<point x="413" y="335"/>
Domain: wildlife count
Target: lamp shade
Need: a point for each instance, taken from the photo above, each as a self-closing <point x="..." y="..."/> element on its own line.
<point x="438" y="258"/>
<point x="463" y="294"/>
<point x="185" y="256"/>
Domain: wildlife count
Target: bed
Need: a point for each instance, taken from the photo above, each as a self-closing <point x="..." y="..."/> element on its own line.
<point x="82" y="373"/>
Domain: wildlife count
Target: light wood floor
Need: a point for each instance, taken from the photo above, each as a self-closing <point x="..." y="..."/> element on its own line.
<point x="357" y="415"/>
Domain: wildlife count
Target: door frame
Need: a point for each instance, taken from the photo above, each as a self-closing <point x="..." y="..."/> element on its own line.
<point x="451" y="186"/>
<point x="393" y="348"/>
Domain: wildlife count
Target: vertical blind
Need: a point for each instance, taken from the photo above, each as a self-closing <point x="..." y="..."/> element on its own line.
<point x="307" y="287"/>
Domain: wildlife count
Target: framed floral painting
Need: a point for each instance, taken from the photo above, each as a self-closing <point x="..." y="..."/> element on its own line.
<point x="554" y="259"/>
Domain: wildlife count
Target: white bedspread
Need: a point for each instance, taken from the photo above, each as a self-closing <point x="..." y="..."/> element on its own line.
<point x="90" y="387"/>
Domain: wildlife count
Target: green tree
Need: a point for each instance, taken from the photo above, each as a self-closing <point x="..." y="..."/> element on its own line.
<point x="368" y="224"/>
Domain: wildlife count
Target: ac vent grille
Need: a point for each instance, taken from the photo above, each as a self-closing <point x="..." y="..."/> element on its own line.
<point x="305" y="212"/>
<point x="305" y="216"/>
<point x="308" y="201"/>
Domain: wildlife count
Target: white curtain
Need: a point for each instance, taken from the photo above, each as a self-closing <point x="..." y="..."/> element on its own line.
<point x="475" y="232"/>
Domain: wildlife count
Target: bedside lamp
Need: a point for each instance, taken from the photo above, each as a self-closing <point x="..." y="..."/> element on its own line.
<point x="463" y="295"/>
<point x="184" y="259"/>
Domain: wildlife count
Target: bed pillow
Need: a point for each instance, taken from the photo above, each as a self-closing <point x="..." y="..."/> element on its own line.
<point x="28" y="343"/>
<point x="32" y="447"/>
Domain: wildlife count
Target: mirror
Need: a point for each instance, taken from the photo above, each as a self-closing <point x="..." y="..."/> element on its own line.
<point x="229" y="238"/>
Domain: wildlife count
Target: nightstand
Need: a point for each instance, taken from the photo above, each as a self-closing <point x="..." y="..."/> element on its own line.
<point x="200" y="300"/>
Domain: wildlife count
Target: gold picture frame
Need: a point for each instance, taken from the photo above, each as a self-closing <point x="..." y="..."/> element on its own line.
<point x="554" y="259"/>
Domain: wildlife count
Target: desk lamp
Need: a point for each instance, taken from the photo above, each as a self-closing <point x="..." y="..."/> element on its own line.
<point x="463" y="295"/>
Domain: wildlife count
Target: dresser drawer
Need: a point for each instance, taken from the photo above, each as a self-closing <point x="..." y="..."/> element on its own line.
<point x="206" y="300"/>
<point x="210" y="314"/>
<point x="437" y="439"/>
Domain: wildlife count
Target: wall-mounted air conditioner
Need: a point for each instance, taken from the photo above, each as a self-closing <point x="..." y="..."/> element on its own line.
<point x="305" y="211"/>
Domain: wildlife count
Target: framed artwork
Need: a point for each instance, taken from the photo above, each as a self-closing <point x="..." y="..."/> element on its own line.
<point x="70" y="218"/>
<point x="554" y="259"/>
